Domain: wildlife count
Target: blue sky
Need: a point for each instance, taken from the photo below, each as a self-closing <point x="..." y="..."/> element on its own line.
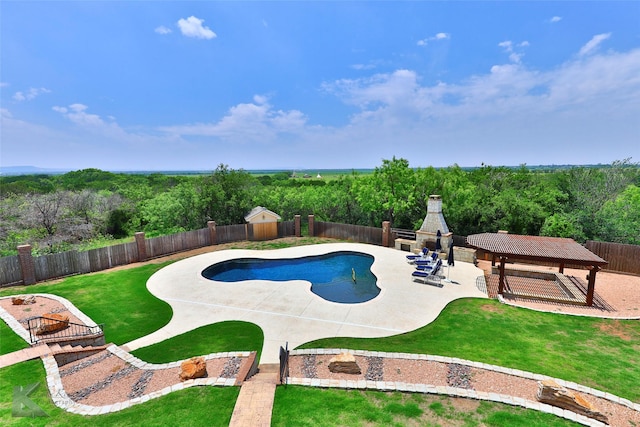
<point x="163" y="85"/>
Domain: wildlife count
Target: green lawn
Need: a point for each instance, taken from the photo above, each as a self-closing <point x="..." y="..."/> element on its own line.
<point x="598" y="353"/>
<point x="215" y="338"/>
<point x="604" y="354"/>
<point x="196" y="406"/>
<point x="309" y="406"/>
<point x="120" y="300"/>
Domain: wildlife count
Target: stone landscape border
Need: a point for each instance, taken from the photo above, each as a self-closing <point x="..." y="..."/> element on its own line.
<point x="24" y="334"/>
<point x="62" y="400"/>
<point x="599" y="316"/>
<point x="455" y="391"/>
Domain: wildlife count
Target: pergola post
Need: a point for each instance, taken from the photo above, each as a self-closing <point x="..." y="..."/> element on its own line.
<point x="503" y="260"/>
<point x="592" y="284"/>
<point x="561" y="269"/>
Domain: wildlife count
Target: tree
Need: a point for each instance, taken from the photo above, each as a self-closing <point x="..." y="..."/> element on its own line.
<point x="619" y="219"/>
<point x="563" y="225"/>
<point x="388" y="190"/>
<point x="591" y="188"/>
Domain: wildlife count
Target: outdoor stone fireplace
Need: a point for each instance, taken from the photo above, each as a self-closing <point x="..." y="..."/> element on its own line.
<point x="434" y="222"/>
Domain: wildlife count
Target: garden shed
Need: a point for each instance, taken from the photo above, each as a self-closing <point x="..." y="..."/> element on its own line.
<point x="264" y="223"/>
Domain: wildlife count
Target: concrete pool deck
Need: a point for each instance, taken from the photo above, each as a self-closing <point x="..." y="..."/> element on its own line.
<point x="290" y="312"/>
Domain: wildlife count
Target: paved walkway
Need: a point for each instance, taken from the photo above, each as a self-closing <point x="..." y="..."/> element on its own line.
<point x="255" y="401"/>
<point x="24" y="355"/>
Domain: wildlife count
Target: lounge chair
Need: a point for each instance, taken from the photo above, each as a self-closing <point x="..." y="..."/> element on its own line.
<point x="428" y="278"/>
<point x="415" y="257"/>
<point x="435" y="266"/>
<point x="430" y="260"/>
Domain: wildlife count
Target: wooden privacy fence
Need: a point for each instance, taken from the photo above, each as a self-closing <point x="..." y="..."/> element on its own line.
<point x="356" y="233"/>
<point x="25" y="269"/>
<point x="621" y="257"/>
<point x="179" y="242"/>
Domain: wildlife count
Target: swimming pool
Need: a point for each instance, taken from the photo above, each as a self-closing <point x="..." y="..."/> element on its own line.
<point x="343" y="277"/>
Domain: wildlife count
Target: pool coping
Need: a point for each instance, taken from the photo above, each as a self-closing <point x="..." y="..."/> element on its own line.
<point x="288" y="312"/>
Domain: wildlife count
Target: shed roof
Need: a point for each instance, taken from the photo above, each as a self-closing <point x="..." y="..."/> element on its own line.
<point x="554" y="249"/>
<point x="259" y="210"/>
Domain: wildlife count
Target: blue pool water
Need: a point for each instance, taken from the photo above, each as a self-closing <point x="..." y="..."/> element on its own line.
<point x="331" y="275"/>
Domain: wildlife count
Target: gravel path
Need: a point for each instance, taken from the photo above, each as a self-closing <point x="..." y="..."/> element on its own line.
<point x="104" y="378"/>
<point x="449" y="374"/>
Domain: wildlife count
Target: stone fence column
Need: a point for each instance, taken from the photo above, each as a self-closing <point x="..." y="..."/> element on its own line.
<point x="27" y="265"/>
<point x="311" y="234"/>
<point x="296" y="221"/>
<point x="213" y="237"/>
<point x="141" y="245"/>
<point x="386" y="234"/>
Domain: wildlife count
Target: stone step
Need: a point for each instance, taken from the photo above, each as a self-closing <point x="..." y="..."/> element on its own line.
<point x="54" y="347"/>
<point x="269" y="368"/>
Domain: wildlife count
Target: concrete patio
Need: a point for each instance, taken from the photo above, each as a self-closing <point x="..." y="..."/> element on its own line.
<point x="288" y="312"/>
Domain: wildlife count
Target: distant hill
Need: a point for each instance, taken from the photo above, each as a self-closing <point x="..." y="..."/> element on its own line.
<point x="33" y="170"/>
<point x="29" y="170"/>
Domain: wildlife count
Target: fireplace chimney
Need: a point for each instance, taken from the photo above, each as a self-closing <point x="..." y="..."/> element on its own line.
<point x="434" y="222"/>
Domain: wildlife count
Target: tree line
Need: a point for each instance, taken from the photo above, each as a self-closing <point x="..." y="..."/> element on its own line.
<point x="91" y="207"/>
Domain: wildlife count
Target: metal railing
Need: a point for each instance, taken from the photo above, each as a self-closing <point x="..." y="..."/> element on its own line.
<point x="42" y="328"/>
<point x="284" y="363"/>
<point x="404" y="234"/>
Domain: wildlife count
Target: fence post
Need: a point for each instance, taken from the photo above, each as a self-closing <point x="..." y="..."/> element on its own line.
<point x="311" y="233"/>
<point x="386" y="233"/>
<point x="213" y="238"/>
<point x="27" y="265"/>
<point x="142" y="247"/>
<point x="296" y="221"/>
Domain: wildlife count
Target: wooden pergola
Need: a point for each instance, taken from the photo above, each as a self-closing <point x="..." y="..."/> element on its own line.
<point x="555" y="250"/>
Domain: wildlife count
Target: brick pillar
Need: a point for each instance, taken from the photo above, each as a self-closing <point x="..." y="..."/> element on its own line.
<point x="386" y="234"/>
<point x="26" y="264"/>
<point x="213" y="237"/>
<point x="142" y="247"/>
<point x="311" y="226"/>
<point x="296" y="221"/>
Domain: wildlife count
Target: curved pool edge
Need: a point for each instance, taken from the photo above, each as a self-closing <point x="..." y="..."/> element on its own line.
<point x="295" y="315"/>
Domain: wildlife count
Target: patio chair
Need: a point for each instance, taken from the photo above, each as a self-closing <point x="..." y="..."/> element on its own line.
<point x="428" y="278"/>
<point x="415" y="257"/>
<point x="430" y="260"/>
<point x="435" y="266"/>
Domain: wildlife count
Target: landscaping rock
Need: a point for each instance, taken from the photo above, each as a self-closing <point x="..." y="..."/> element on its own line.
<point x="23" y="300"/>
<point x="552" y="393"/>
<point x="344" y="363"/>
<point x="52" y="322"/>
<point x="192" y="368"/>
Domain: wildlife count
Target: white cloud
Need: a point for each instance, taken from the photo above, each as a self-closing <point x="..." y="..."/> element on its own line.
<point x="77" y="114"/>
<point x="250" y="122"/>
<point x="555" y="19"/>
<point x="438" y="36"/>
<point x="508" y="47"/>
<point x="163" y="30"/>
<point x="4" y="84"/>
<point x="192" y="27"/>
<point x="593" y="44"/>
<point x="31" y="94"/>
<point x="363" y="66"/>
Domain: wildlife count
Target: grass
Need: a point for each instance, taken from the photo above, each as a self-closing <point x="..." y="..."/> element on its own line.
<point x="120" y="300"/>
<point x="218" y="337"/>
<point x="599" y="353"/>
<point x="309" y="406"/>
<point x="10" y="341"/>
<point x="604" y="354"/>
<point x="214" y="405"/>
